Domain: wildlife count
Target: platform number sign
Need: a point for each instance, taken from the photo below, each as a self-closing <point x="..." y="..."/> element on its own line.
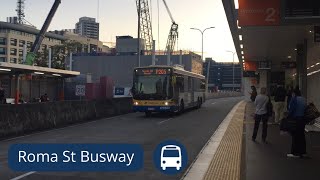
<point x="259" y="12"/>
<point x="80" y="90"/>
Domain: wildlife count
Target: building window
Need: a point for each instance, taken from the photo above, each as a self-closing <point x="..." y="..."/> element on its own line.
<point x="21" y="43"/>
<point x="4" y="30"/>
<point x="3" y="41"/>
<point x="44" y="47"/>
<point x="3" y="59"/>
<point x="13" y="51"/>
<point x="2" y="50"/>
<point x="29" y="44"/>
<point x="13" y="60"/>
<point x="13" y="42"/>
<point x="20" y="52"/>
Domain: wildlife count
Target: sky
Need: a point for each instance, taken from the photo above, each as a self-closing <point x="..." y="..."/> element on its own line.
<point x="119" y="17"/>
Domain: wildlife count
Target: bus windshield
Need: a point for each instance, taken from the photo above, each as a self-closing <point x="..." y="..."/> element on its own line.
<point x="153" y="87"/>
<point x="171" y="153"/>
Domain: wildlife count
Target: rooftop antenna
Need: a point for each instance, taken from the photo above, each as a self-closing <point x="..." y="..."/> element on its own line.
<point x="20" y="11"/>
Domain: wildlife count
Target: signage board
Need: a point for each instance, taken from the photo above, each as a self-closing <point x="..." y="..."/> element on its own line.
<point x="118" y="91"/>
<point x="316" y="33"/>
<point x="250" y="65"/>
<point x="80" y="90"/>
<point x="264" y="65"/>
<point x="153" y="71"/>
<point x="122" y="92"/>
<point x="259" y="12"/>
<point x="288" y="65"/>
<point x="249" y="74"/>
<point x="296" y="9"/>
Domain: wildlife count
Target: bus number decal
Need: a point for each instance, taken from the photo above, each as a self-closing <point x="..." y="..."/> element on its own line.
<point x="161" y="71"/>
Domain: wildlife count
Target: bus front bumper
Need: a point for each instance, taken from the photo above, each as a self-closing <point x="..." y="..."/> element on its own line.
<point x="155" y="108"/>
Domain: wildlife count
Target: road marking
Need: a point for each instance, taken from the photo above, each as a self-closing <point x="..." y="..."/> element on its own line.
<point x="23" y="175"/>
<point x="214" y="103"/>
<point x="57" y="129"/>
<point x="164" y="121"/>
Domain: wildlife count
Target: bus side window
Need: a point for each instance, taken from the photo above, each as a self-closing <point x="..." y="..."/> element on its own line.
<point x="190" y="84"/>
<point x="203" y="84"/>
<point x="180" y="83"/>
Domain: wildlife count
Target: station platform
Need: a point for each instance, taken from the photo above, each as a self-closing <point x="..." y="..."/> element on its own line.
<point x="230" y="154"/>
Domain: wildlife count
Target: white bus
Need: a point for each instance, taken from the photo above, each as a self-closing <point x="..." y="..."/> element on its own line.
<point x="166" y="89"/>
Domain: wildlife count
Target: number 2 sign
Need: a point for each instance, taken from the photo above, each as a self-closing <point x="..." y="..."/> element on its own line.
<point x="259" y="12"/>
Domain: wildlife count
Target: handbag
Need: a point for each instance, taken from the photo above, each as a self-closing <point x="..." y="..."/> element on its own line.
<point x="288" y="124"/>
<point x="311" y="113"/>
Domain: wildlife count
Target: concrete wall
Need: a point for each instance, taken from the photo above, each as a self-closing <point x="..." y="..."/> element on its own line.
<point x="25" y="118"/>
<point x="120" y="68"/>
<point x="223" y="94"/>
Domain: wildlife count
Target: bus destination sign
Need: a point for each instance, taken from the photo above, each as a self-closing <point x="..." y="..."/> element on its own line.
<point x="153" y="71"/>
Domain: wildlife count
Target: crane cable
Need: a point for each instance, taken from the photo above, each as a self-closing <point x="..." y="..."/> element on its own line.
<point x="158" y="25"/>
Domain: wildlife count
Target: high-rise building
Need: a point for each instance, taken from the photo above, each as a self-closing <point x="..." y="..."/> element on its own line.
<point x="221" y="75"/>
<point x="88" y="27"/>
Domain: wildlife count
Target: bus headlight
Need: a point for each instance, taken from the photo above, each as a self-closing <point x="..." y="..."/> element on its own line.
<point x="136" y="103"/>
<point x="166" y="103"/>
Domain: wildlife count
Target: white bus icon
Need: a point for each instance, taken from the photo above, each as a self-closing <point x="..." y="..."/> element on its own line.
<point x="171" y="157"/>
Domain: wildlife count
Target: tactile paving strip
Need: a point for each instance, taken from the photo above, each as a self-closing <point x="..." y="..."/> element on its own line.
<point x="226" y="162"/>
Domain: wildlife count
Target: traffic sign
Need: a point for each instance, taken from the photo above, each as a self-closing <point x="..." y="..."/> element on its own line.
<point x="80" y="90"/>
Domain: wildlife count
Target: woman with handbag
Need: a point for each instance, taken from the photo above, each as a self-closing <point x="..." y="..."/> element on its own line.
<point x="296" y="113"/>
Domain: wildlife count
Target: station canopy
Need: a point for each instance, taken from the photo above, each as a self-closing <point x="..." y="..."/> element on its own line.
<point x="14" y="69"/>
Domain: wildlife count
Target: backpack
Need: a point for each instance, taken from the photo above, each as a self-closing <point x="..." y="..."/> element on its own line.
<point x="311" y="113"/>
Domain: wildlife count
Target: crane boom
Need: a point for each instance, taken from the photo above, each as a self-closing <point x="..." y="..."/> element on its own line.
<point x="37" y="43"/>
<point x="169" y="12"/>
<point x="173" y="33"/>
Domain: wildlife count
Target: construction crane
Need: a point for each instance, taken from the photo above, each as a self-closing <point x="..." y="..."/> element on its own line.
<point x="36" y="45"/>
<point x="145" y="24"/>
<point x="20" y="11"/>
<point x="173" y="34"/>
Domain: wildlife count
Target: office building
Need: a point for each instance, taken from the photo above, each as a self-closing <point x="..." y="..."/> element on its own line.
<point x="127" y="45"/>
<point x="221" y="75"/>
<point x="88" y="27"/>
<point x="13" y="37"/>
<point x="89" y="45"/>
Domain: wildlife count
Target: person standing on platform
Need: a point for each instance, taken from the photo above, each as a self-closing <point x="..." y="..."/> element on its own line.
<point x="261" y="114"/>
<point x="296" y="112"/>
<point x="279" y="105"/>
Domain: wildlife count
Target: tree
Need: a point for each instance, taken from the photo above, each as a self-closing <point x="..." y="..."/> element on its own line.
<point x="59" y="54"/>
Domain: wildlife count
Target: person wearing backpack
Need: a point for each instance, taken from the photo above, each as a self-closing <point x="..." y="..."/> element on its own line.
<point x="261" y="114"/>
<point x="296" y="113"/>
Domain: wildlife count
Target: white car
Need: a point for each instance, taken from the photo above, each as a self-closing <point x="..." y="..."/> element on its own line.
<point x="171" y="157"/>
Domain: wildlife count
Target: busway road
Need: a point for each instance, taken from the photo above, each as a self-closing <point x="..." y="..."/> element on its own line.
<point x="193" y="129"/>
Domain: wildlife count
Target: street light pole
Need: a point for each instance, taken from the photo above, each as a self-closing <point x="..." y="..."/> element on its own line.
<point x="233" y="53"/>
<point x="208" y="65"/>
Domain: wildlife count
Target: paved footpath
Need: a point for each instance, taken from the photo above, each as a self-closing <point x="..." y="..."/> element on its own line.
<point x="230" y="154"/>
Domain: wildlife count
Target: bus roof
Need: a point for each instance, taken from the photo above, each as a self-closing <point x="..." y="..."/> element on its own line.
<point x="177" y="70"/>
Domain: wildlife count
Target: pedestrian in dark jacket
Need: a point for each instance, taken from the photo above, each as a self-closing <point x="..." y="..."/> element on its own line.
<point x="253" y="94"/>
<point x="289" y="95"/>
<point x="296" y="112"/>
